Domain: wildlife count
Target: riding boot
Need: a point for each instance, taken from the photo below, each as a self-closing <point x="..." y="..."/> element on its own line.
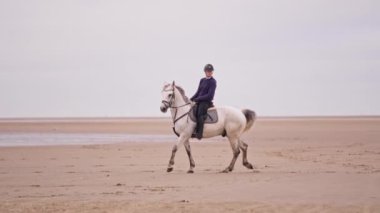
<point x="200" y="125"/>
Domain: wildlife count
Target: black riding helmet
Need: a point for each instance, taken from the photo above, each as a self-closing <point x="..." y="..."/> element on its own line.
<point x="209" y="67"/>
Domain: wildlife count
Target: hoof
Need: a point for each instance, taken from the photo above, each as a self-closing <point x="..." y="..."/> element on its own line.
<point x="169" y="170"/>
<point x="190" y="172"/>
<point x="225" y="171"/>
<point x="249" y="166"/>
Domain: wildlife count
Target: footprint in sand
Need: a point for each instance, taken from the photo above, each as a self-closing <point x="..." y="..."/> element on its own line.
<point x="37" y="172"/>
<point x="112" y="193"/>
<point x="155" y="189"/>
<point x="66" y="186"/>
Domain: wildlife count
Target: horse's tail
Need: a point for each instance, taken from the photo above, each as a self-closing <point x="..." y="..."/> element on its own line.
<point x="250" y="117"/>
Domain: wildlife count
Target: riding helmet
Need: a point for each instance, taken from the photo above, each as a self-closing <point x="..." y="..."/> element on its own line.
<point x="209" y="67"/>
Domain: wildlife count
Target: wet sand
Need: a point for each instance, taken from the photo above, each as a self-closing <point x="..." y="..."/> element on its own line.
<point x="302" y="165"/>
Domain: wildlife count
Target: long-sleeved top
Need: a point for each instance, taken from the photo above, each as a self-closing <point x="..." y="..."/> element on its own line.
<point x="206" y="90"/>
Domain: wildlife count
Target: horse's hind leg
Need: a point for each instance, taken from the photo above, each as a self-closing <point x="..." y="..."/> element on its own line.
<point x="234" y="142"/>
<point x="188" y="150"/>
<point x="244" y="147"/>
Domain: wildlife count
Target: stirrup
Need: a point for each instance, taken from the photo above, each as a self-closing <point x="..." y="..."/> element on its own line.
<point x="199" y="137"/>
<point x="194" y="135"/>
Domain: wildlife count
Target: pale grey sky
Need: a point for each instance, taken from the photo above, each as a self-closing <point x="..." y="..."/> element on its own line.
<point x="111" y="58"/>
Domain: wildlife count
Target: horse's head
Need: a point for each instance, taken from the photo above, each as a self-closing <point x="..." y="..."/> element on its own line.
<point x="168" y="96"/>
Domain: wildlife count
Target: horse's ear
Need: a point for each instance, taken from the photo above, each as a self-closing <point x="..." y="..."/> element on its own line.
<point x="173" y="83"/>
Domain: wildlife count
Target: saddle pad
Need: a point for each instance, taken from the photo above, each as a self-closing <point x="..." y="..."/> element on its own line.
<point x="212" y="115"/>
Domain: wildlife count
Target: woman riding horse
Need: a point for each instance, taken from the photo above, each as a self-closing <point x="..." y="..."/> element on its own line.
<point x="203" y="97"/>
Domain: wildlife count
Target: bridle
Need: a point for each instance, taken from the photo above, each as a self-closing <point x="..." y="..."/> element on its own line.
<point x="169" y="104"/>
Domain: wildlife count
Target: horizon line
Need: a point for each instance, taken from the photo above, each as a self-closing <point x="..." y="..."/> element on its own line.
<point x="168" y="117"/>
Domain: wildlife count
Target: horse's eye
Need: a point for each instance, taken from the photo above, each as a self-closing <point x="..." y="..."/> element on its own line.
<point x="170" y="95"/>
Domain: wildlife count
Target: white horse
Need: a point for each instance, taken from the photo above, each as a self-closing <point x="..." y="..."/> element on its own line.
<point x="231" y="121"/>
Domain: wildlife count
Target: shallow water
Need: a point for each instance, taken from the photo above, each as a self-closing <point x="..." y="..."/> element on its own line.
<point x="43" y="139"/>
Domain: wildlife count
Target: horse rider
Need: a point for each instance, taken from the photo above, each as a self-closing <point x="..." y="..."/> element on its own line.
<point x="203" y="98"/>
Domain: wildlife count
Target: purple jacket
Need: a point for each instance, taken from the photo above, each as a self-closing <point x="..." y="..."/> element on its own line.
<point x="206" y="90"/>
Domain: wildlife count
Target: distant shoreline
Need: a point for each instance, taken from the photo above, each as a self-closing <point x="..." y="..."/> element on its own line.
<point x="15" y="119"/>
<point x="148" y="125"/>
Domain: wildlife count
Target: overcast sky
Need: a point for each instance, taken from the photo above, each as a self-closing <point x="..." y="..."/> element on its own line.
<point x="110" y="58"/>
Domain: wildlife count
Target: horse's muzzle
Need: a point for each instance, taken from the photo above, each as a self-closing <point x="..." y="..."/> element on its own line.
<point x="164" y="106"/>
<point x="163" y="109"/>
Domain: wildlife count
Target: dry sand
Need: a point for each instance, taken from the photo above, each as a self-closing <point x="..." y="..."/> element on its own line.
<point x="302" y="165"/>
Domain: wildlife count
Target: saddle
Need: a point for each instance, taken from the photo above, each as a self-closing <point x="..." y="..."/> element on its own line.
<point x="212" y="115"/>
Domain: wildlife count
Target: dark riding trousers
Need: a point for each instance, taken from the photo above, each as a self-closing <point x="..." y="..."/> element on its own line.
<point x="201" y="113"/>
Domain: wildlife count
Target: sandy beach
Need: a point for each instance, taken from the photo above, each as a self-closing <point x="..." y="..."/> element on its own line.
<point x="315" y="164"/>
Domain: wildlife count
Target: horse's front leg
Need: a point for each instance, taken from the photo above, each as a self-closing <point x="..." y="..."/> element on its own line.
<point x="188" y="150"/>
<point x="174" y="150"/>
